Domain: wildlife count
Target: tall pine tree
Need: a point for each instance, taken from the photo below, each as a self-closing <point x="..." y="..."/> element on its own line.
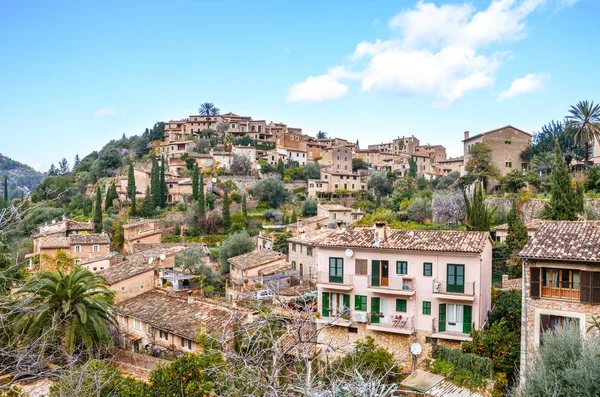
<point x="131" y="189"/>
<point x="195" y="182"/>
<point x="478" y="215"/>
<point x="244" y="206"/>
<point x="226" y="213"/>
<point x="517" y="232"/>
<point x="98" y="212"/>
<point x="163" y="185"/>
<point x="108" y="201"/>
<point x="280" y="168"/>
<point x="563" y="204"/>
<point x="201" y="199"/>
<point x="155" y="189"/>
<point x="147" y="208"/>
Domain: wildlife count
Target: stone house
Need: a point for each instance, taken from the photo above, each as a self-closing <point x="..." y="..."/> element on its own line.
<point x="561" y="281"/>
<point x="506" y="143"/>
<point x="129" y="279"/>
<point x="222" y="159"/>
<point x="302" y="253"/>
<point x="375" y="158"/>
<point x="249" y="266"/>
<point x="63" y="228"/>
<point x="399" y="286"/>
<point x="437" y="153"/>
<point x="343" y="181"/>
<point x="314" y="149"/>
<point x="531" y="225"/>
<point x="96" y="264"/>
<point x="291" y="140"/>
<point x="144" y="231"/>
<point x="452" y="164"/>
<point x="335" y="213"/>
<point x="337" y="158"/>
<point x="77" y="246"/>
<point x="158" y="321"/>
<point x="179" y="190"/>
<point x="317" y="187"/>
<point x="398" y="145"/>
<point x="246" y="151"/>
<point x="173" y="150"/>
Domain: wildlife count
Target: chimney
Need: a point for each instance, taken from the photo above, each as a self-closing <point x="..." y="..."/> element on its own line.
<point x="466" y="135"/>
<point x="190" y="297"/>
<point x="380" y="228"/>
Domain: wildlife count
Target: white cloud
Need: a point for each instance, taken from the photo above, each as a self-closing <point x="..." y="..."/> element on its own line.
<point x="317" y="89"/>
<point x="531" y="83"/>
<point x="107" y="112"/>
<point x="440" y="50"/>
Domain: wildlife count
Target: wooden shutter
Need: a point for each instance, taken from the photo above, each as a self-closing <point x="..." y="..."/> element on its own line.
<point x="325" y="303"/>
<point x="586" y="287"/>
<point x="401" y="305"/>
<point x="442" y="318"/>
<point x="346" y="303"/>
<point x="375" y="272"/>
<point x="375" y="309"/>
<point x="360" y="266"/>
<point x="467" y="319"/>
<point x="595" y="287"/>
<point x="544" y="325"/>
<point x="358" y="302"/>
<point x="535" y="282"/>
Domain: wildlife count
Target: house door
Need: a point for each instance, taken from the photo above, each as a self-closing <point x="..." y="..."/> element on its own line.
<point x="375" y="309"/>
<point x="385" y="273"/>
<point x="136" y="346"/>
<point x="380" y="273"/>
<point x="301" y="270"/>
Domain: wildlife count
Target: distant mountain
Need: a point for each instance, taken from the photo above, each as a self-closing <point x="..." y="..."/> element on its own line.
<point x="21" y="177"/>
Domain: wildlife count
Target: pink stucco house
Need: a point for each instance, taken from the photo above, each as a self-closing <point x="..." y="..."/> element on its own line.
<point x="400" y="286"/>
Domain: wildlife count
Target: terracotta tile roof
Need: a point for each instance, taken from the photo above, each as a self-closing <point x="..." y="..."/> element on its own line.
<point x="55" y="242"/>
<point x="313" y="219"/>
<point x="255" y="258"/>
<point x="123" y="271"/>
<point x="410" y="240"/>
<point x="73" y="225"/>
<point x="139" y="222"/>
<point x="98" y="258"/>
<point x="143" y="256"/>
<point x="311" y="238"/>
<point x="144" y="234"/>
<point x="334" y="207"/>
<point x="564" y="240"/>
<point x="532" y="224"/>
<point x="174" y="314"/>
<point x="85" y="239"/>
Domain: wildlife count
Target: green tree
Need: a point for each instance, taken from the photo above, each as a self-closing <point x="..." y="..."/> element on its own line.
<point x="195" y="187"/>
<point x="478" y="215"/>
<point x="420" y="210"/>
<point x="271" y="190"/>
<point x="359" y="164"/>
<point x="281" y="243"/>
<point x="147" y="208"/>
<point x="111" y="196"/>
<point x="98" y="211"/>
<point x="280" y="168"/>
<point x="74" y="309"/>
<point x="202" y="201"/>
<point x="210" y="202"/>
<point x="381" y="184"/>
<point x="309" y="208"/>
<point x="192" y="375"/>
<point x="412" y="168"/>
<point x="155" y="189"/>
<point x="563" y="203"/>
<point x="543" y="142"/>
<point x="163" y="185"/>
<point x="513" y="181"/>
<point x="131" y="189"/>
<point x="244" y="206"/>
<point x="583" y="124"/>
<point x="480" y="164"/>
<point x="6" y="188"/>
<point x="235" y="244"/>
<point x="321" y="135"/>
<point x="517" y="232"/>
<point x="294" y="217"/>
<point x="312" y="170"/>
<point x="208" y="109"/>
<point x="226" y="213"/>
<point x="542" y="162"/>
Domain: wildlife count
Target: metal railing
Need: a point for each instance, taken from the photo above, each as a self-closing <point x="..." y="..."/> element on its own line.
<point x="442" y="287"/>
<point x="326" y="278"/>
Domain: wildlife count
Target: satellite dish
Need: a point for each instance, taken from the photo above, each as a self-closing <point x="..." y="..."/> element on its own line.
<point x="258" y="167"/>
<point x="53" y="221"/>
<point x="416" y="348"/>
<point x="349" y="253"/>
<point x="162" y="257"/>
<point x="46" y="228"/>
<point x="214" y="180"/>
<point x="150" y="260"/>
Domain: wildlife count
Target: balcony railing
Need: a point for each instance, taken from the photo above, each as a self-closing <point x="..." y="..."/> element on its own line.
<point x="393" y="285"/>
<point x="326" y="278"/>
<point x="560" y="293"/>
<point x="395" y="322"/>
<point x="442" y="287"/>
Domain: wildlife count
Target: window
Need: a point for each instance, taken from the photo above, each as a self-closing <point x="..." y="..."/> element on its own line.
<point x="360" y="267"/>
<point x="164" y="335"/>
<point x="308" y="251"/>
<point x="427" y="269"/>
<point x="95" y="248"/>
<point x="401" y="305"/>
<point x="78" y="248"/>
<point x="455" y="278"/>
<point x="360" y="303"/>
<point x="186" y="343"/>
<point x="137" y="324"/>
<point x="77" y="261"/>
<point x="122" y="288"/>
<point x="426" y="307"/>
<point x="294" y="247"/>
<point x="336" y="270"/>
<point x="560" y="283"/>
<point x="508" y="164"/>
<point x="553" y="323"/>
<point x="142" y="286"/>
<point x="232" y="125"/>
<point x="293" y="265"/>
<point x="507" y="142"/>
<point x="121" y="319"/>
<point x="401" y="267"/>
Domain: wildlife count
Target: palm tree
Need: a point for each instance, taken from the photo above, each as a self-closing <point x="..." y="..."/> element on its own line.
<point x="228" y="141"/>
<point x="208" y="109"/>
<point x="542" y="162"/>
<point x="74" y="308"/>
<point x="583" y="124"/>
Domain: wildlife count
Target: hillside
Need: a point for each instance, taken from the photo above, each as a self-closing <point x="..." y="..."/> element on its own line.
<point x="21" y="177"/>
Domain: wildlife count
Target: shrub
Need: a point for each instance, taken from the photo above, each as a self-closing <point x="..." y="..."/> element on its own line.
<point x="481" y="366"/>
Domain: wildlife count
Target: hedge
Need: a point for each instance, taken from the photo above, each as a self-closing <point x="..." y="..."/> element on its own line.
<point x="466" y="361"/>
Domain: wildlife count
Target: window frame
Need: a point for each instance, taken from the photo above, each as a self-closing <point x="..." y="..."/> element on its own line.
<point x="426" y="308"/>
<point x="402" y="267"/>
<point x="425" y="271"/>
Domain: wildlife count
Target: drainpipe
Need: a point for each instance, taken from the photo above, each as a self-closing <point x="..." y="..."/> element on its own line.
<point x="524" y="323"/>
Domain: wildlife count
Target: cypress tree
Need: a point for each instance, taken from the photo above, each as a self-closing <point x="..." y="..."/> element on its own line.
<point x="294" y="217"/>
<point x="195" y="182"/>
<point x="226" y="213"/>
<point x="563" y="203"/>
<point x="131" y="189"/>
<point x="517" y="232"/>
<point x="244" y="206"/>
<point x="147" y="208"/>
<point x="98" y="212"/>
<point x="280" y="168"/>
<point x="478" y="215"/>
<point x="201" y="199"/>
<point x="108" y="201"/>
<point x="6" y="188"/>
<point x="163" y="185"/>
<point x="284" y="219"/>
<point x="155" y="183"/>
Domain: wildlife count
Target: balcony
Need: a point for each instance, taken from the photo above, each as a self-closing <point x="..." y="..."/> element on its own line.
<point x="448" y="335"/>
<point x="560" y="293"/>
<point x="465" y="293"/>
<point x="339" y="321"/>
<point x="399" y="323"/>
<point x="399" y="286"/>
<point x="337" y="283"/>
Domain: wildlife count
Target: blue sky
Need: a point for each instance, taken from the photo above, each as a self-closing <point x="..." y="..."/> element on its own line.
<point x="76" y="74"/>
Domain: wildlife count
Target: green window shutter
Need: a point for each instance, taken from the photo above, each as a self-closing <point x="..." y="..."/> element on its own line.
<point x="442" y="318"/>
<point x="375" y="271"/>
<point x="374" y="309"/>
<point x="336" y="270"/>
<point x="467" y="319"/>
<point x="401" y="267"/>
<point x="360" y="303"/>
<point x="325" y="300"/>
<point x="401" y="305"/>
<point x="346" y="303"/>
